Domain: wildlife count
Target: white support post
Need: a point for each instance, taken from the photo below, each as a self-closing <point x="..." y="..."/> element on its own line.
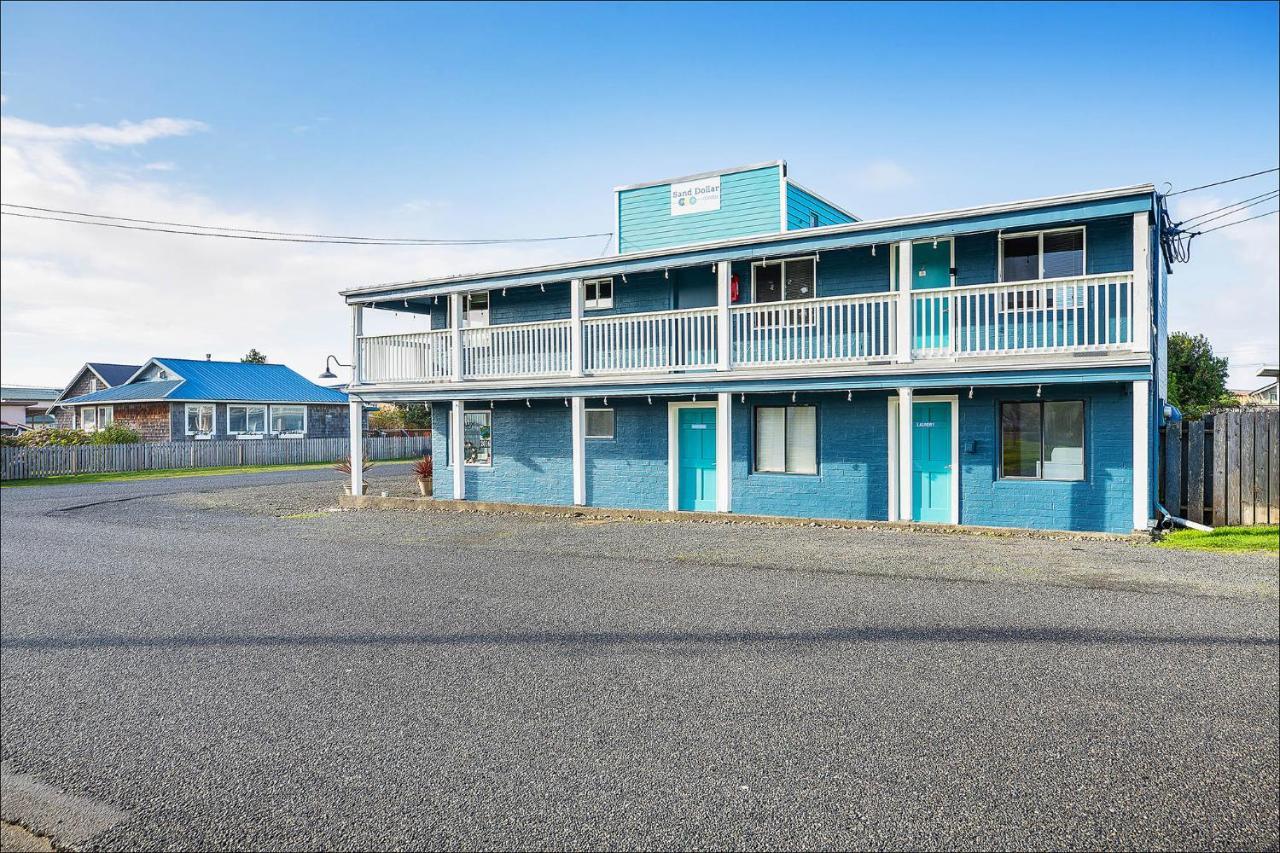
<point x="904" y="301"/>
<point x="579" y="431"/>
<point x="357" y="329"/>
<point x="455" y="334"/>
<point x="1141" y="283"/>
<point x="576" y="296"/>
<point x="905" y="422"/>
<point x="724" y="452"/>
<point x="1141" y="455"/>
<point x="357" y="447"/>
<point x="457" y="451"/>
<point x="724" y="332"/>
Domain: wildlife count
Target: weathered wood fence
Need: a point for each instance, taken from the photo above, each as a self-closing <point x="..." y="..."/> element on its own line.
<point x="1224" y="468"/>
<point x="26" y="462"/>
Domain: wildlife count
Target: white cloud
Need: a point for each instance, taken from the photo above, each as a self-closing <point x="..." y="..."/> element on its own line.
<point x="160" y="166"/>
<point x="123" y="133"/>
<point x="884" y="176"/>
<point x="74" y="293"/>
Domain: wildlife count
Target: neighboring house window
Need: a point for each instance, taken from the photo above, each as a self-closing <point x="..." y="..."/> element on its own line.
<point x="600" y="423"/>
<point x="1042" y="440"/>
<point x="477" y="438"/>
<point x="94" y="418"/>
<point x="597" y="294"/>
<point x="200" y="419"/>
<point x="475" y="309"/>
<point x="787" y="439"/>
<point x="783" y="281"/>
<point x="1046" y="254"/>
<point x="93" y="384"/>
<point x="246" y="420"/>
<point x="289" y="421"/>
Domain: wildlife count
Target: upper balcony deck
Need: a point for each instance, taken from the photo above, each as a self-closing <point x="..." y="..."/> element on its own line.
<point x="857" y="304"/>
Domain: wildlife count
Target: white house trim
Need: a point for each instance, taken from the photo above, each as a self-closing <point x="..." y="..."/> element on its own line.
<point x="900" y="434"/>
<point x="578" y="415"/>
<point x="1141" y="455"/>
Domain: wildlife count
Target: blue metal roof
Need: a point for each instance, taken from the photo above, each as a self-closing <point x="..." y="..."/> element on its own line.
<point x="114" y="374"/>
<point x="220" y="381"/>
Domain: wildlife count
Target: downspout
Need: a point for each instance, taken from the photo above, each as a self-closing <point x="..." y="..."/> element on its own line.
<point x="1171" y="519"/>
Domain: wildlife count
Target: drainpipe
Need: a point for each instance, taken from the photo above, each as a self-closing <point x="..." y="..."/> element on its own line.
<point x="1171" y="519"/>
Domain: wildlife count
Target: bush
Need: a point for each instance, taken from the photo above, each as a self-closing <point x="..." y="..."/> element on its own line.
<point x="388" y="418"/>
<point x="48" y="438"/>
<point x="115" y="434"/>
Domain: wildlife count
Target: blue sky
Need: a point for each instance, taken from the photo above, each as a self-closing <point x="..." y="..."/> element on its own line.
<point x="516" y="120"/>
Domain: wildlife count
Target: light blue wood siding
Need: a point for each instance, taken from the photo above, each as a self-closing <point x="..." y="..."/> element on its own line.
<point x="750" y="203"/>
<point x="803" y="205"/>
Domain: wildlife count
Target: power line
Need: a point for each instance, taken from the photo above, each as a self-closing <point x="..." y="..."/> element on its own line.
<point x="1237" y="222"/>
<point x="319" y="238"/>
<point x="1227" y="181"/>
<point x="1226" y="206"/>
<point x="1236" y="208"/>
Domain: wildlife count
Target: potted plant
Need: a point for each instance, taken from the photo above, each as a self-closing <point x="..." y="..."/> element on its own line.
<point x="344" y="466"/>
<point x="422" y="471"/>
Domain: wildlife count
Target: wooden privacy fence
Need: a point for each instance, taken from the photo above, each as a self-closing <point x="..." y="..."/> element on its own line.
<point x="1223" y="469"/>
<point x="26" y="462"/>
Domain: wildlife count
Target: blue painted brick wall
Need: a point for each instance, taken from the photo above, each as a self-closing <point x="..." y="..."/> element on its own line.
<point x="853" y="461"/>
<point x="1102" y="502"/>
<point x="532" y="455"/>
<point x="630" y="471"/>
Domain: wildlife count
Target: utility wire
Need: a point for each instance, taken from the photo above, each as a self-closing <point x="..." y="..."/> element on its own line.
<point x="1251" y="198"/>
<point x="1227" y="181"/>
<point x="1236" y="208"/>
<point x="1237" y="222"/>
<point x="308" y="238"/>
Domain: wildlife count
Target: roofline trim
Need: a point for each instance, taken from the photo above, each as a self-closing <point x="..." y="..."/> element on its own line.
<point x="353" y="294"/>
<point x="730" y="171"/>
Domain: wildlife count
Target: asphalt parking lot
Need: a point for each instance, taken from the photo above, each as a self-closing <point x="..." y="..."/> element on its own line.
<point x="222" y="663"/>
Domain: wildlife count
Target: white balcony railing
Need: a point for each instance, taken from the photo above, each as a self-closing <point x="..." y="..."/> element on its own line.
<point x="1085" y="314"/>
<point x="814" y="331"/>
<point x="1092" y="313"/>
<point x="649" y="342"/>
<point x="517" y="349"/>
<point x="415" y="357"/>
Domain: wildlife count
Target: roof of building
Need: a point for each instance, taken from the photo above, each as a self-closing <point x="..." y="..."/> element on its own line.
<point x="1269" y="370"/>
<point x="217" y="381"/>
<point x="113" y="374"/>
<point x="28" y="393"/>
<point x="863" y="232"/>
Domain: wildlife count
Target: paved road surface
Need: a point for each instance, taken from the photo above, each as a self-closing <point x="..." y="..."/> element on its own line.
<point x="209" y="674"/>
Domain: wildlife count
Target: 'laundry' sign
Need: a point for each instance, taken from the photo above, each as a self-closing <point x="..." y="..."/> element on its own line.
<point x="695" y="196"/>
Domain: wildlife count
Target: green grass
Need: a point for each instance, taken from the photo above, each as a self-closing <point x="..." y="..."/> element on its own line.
<point x="160" y="474"/>
<point x="1264" y="537"/>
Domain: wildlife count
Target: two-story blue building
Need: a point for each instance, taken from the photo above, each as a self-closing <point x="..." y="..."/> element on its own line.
<point x="755" y="348"/>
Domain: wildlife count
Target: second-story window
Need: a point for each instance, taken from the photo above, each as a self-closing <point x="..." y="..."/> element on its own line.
<point x="475" y="309"/>
<point x="1047" y="254"/>
<point x="597" y="293"/>
<point x="784" y="281"/>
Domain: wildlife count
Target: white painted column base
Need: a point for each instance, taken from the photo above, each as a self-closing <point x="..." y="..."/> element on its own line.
<point x="1141" y="455"/>
<point x="457" y="451"/>
<point x="357" y="447"/>
<point x="724" y="452"/>
<point x="578" y="416"/>
<point x="904" y="454"/>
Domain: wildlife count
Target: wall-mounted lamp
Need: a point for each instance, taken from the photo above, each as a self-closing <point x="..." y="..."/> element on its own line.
<point x="1038" y="390"/>
<point x="970" y="392"/>
<point x="328" y="371"/>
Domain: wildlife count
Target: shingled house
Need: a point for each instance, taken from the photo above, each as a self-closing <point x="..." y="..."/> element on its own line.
<point x="175" y="399"/>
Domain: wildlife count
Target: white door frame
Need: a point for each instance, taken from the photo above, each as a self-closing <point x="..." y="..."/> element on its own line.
<point x="673" y="450"/>
<point x="954" y="400"/>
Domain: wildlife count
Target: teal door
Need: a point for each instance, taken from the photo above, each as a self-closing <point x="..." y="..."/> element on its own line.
<point x="931" y="265"/>
<point x="931" y="462"/>
<point x="696" y="455"/>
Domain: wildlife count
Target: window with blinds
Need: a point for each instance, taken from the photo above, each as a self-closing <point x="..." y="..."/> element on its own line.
<point x="1046" y="254"/>
<point x="782" y="281"/>
<point x="787" y="439"/>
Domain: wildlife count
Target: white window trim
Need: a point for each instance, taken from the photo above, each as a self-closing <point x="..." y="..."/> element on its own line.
<point x="266" y="423"/>
<point x="757" y="264"/>
<point x="597" y="304"/>
<point x="1040" y="477"/>
<point x="611" y="437"/>
<point x="488" y="412"/>
<point x="98" y="423"/>
<point x="186" y="420"/>
<point x="1084" y="251"/>
<point x="817" y="440"/>
<point x="466" y="309"/>
<point x="271" y="412"/>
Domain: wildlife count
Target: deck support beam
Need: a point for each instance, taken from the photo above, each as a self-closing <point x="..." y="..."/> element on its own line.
<point x="579" y="431"/>
<point x="1141" y="455"/>
<point x="456" y="451"/>
<point x="455" y="335"/>
<point x="724" y="452"/>
<point x="577" y="364"/>
<point x="904" y="301"/>
<point x="356" y="423"/>
<point x="724" y="333"/>
<point x="1141" y="283"/>
<point x="905" y="418"/>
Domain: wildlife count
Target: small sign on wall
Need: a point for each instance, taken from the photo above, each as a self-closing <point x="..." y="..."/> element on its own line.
<point x="695" y="196"/>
